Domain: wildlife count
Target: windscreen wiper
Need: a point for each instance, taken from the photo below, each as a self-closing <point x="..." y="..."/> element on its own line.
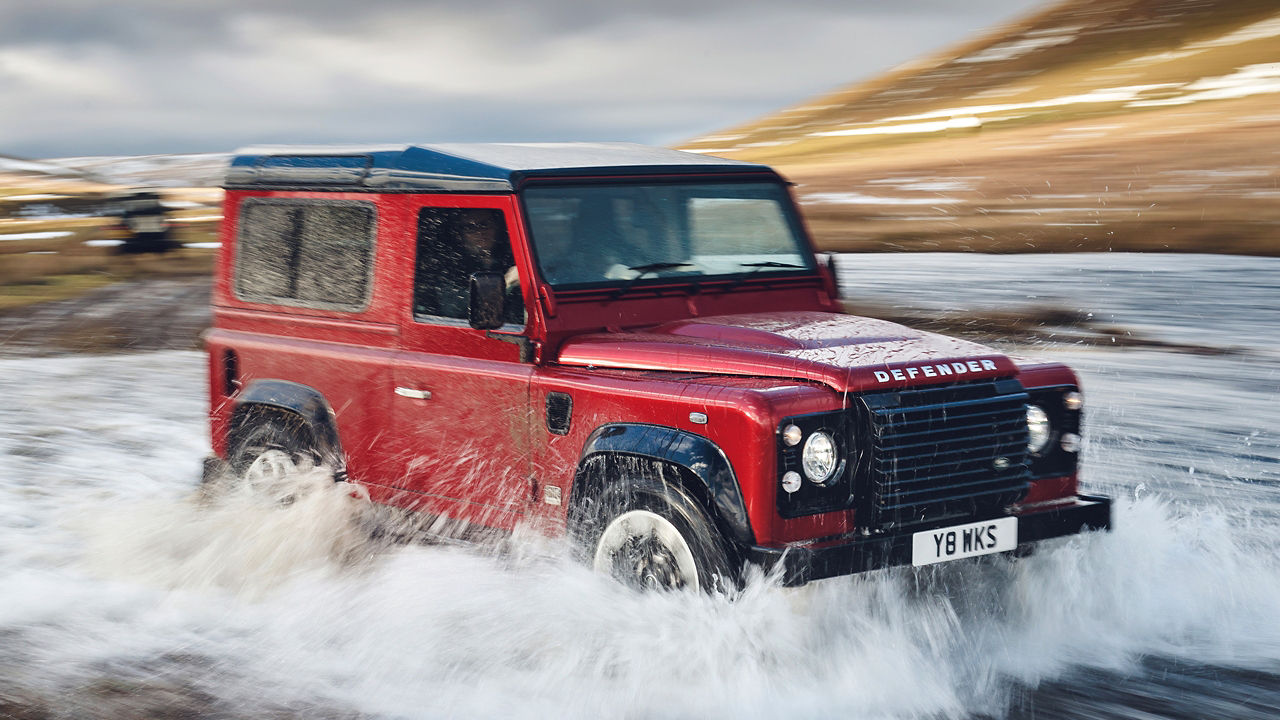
<point x="643" y="270"/>
<point x="757" y="267"/>
<point x="773" y="263"/>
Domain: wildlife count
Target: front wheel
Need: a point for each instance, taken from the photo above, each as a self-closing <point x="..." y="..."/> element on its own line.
<point x="651" y="535"/>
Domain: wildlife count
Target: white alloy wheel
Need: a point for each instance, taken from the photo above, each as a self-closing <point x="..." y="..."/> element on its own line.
<point x="274" y="474"/>
<point x="642" y="547"/>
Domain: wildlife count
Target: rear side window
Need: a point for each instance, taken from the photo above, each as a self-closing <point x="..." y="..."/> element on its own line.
<point x="306" y="253"/>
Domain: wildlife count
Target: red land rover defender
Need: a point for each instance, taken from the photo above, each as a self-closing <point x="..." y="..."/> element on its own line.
<point x="630" y="345"/>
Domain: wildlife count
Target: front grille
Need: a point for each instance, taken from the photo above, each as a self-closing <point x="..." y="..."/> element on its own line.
<point x="956" y="451"/>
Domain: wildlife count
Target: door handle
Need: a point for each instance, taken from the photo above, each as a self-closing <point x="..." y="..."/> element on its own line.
<point x="412" y="393"/>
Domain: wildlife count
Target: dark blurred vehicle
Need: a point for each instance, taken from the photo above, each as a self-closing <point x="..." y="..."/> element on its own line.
<point x="143" y="225"/>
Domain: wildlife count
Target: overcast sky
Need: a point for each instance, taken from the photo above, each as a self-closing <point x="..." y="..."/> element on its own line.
<point x="99" y="77"/>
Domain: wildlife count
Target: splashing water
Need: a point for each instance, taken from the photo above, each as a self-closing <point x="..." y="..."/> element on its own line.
<point x="126" y="593"/>
<point x="247" y="607"/>
<point x="231" y="539"/>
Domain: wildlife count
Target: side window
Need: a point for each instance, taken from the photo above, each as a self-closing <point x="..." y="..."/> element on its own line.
<point x="453" y="244"/>
<point x="311" y="254"/>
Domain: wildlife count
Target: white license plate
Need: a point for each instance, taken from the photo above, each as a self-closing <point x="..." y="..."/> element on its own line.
<point x="964" y="541"/>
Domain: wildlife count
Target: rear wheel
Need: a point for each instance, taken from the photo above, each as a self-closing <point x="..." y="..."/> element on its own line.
<point x="648" y="533"/>
<point x="271" y="457"/>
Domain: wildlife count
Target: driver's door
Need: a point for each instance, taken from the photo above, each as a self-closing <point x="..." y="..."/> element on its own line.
<point x="461" y="403"/>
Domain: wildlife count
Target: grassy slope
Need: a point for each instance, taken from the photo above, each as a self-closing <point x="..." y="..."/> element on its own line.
<point x="1123" y="173"/>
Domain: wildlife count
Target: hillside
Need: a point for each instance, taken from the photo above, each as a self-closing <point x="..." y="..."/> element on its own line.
<point x="10" y="165"/>
<point x="1091" y="125"/>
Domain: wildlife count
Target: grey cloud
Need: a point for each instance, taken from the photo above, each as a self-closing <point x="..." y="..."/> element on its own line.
<point x="203" y="75"/>
<point x="150" y="23"/>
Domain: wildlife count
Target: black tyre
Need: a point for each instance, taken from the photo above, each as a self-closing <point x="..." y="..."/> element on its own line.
<point x="648" y="533"/>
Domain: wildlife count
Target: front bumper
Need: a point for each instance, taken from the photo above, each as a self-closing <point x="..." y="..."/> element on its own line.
<point x="800" y="564"/>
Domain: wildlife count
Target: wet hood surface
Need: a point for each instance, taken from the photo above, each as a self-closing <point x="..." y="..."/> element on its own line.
<point x="845" y="352"/>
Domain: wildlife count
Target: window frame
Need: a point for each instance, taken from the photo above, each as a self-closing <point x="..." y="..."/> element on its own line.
<point x="790" y="215"/>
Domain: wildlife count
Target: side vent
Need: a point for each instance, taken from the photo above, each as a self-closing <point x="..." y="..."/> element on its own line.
<point x="230" y="373"/>
<point x="559" y="412"/>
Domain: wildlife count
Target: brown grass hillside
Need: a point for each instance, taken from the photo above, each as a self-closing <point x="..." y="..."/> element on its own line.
<point x="1149" y="125"/>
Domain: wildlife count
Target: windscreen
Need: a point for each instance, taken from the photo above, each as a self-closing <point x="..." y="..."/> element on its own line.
<point x="626" y="233"/>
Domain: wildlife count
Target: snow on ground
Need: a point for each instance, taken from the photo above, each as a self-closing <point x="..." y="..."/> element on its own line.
<point x="28" y="198"/>
<point x="48" y="235"/>
<point x="1260" y="79"/>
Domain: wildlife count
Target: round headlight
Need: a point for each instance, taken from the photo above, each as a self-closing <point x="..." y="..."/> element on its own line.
<point x="1038" y="429"/>
<point x="819" y="457"/>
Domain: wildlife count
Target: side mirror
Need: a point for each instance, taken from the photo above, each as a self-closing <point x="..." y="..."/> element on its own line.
<point x="833" y="274"/>
<point x="488" y="298"/>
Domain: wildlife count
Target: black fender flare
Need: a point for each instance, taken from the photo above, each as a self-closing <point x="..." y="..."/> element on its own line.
<point x="702" y="459"/>
<point x="307" y="403"/>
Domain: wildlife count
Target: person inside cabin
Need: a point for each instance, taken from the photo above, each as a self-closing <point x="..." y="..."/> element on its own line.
<point x="454" y="244"/>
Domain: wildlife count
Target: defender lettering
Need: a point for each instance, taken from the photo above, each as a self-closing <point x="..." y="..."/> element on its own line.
<point x="911" y="372"/>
